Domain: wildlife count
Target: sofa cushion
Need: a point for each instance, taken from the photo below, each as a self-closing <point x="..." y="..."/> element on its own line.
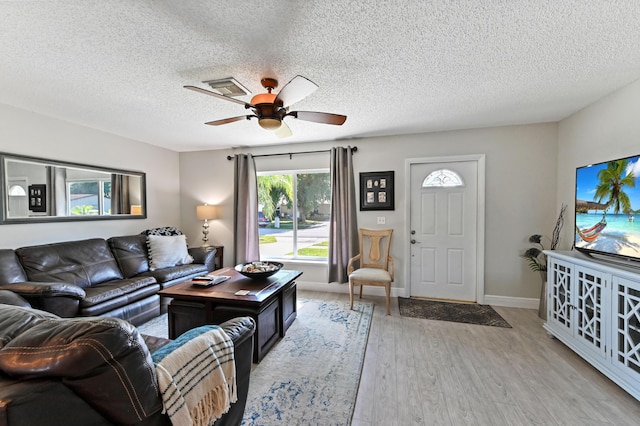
<point x="10" y="269"/>
<point x="15" y="320"/>
<point x="84" y="263"/>
<point x="103" y="360"/>
<point x="131" y="254"/>
<point x="124" y="291"/>
<point x="177" y="272"/>
<point x="167" y="251"/>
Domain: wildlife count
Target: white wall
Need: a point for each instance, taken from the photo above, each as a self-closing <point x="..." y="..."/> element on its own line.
<point x="520" y="193"/>
<point x="605" y="130"/>
<point x="28" y="133"/>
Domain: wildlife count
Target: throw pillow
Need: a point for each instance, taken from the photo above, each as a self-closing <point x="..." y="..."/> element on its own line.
<point x="165" y="230"/>
<point x="167" y="251"/>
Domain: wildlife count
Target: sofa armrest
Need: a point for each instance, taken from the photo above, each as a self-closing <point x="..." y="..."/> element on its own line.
<point x="30" y="289"/>
<point x="10" y="298"/>
<point x="102" y="360"/>
<point x="204" y="255"/>
<point x="239" y="329"/>
<point x="60" y="298"/>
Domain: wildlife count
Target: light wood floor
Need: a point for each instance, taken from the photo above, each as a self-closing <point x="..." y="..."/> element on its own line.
<point x="423" y="372"/>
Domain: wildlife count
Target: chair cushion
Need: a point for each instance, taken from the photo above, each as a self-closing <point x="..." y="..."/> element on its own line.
<point x="370" y="274"/>
<point x="167" y="251"/>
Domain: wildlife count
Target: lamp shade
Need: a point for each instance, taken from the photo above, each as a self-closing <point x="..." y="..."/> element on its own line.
<point x="206" y="212"/>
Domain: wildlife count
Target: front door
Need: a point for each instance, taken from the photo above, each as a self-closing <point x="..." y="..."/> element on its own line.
<point x="444" y="225"/>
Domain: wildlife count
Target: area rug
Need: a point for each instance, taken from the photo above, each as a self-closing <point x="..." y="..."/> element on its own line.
<point x="157" y="326"/>
<point x="469" y="313"/>
<point x="311" y="376"/>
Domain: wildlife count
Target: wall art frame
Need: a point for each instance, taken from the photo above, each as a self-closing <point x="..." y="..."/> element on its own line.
<point x="377" y="191"/>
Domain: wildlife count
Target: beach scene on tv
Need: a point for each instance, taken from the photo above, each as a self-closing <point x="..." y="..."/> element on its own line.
<point x="608" y="207"/>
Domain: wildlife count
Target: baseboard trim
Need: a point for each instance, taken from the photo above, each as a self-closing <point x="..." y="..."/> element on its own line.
<point x="344" y="288"/>
<point x="509" y="302"/>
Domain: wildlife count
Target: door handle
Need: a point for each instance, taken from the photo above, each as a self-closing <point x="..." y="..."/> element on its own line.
<point x="414" y="241"/>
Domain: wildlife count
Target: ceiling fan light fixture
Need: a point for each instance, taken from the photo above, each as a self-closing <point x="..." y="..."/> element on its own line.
<point x="263" y="98"/>
<point x="269" y="123"/>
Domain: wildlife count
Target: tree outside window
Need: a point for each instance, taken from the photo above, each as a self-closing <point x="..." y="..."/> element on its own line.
<point x="295" y="207"/>
<point x="91" y="197"/>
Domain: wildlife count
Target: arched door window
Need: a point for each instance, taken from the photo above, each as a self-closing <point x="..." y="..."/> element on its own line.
<point x="443" y="178"/>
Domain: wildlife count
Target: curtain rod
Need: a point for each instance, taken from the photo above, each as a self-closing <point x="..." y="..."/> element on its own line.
<point x="291" y="154"/>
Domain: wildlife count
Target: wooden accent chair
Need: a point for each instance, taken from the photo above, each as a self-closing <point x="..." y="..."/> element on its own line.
<point x="374" y="263"/>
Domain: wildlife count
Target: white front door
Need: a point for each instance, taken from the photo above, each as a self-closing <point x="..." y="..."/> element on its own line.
<point x="18" y="204"/>
<point x="444" y="230"/>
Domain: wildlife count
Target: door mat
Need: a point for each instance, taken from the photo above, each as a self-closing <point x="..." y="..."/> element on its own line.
<point x="469" y="313"/>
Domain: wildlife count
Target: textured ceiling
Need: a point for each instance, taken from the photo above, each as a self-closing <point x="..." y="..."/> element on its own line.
<point x="393" y="67"/>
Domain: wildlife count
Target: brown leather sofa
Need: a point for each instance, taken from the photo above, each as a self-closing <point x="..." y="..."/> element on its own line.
<point x="90" y="371"/>
<point x="96" y="277"/>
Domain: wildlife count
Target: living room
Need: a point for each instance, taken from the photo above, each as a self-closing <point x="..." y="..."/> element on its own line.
<point x="530" y="167"/>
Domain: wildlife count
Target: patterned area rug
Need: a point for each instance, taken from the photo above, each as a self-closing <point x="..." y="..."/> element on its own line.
<point x="468" y="313"/>
<point x="156" y="327"/>
<point x="311" y="376"/>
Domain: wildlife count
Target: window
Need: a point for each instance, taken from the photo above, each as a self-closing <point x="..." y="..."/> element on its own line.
<point x="443" y="178"/>
<point x="89" y="197"/>
<point x="294" y="214"/>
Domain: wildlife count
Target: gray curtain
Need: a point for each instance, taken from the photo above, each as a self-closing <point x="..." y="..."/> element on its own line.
<point x="58" y="192"/>
<point x="120" y="197"/>
<point x="343" y="228"/>
<point x="246" y="240"/>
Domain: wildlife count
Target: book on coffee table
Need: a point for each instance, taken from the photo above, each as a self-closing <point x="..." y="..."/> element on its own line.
<point x="209" y="280"/>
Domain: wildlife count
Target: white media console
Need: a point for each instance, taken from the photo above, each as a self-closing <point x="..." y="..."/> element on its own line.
<point x="593" y="307"/>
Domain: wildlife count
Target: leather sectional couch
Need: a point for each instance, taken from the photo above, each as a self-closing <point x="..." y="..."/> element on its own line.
<point x="91" y="371"/>
<point x="96" y="277"/>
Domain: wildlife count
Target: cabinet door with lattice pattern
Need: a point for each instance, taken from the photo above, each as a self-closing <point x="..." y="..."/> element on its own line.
<point x="626" y="328"/>
<point x="589" y="301"/>
<point x="559" y="303"/>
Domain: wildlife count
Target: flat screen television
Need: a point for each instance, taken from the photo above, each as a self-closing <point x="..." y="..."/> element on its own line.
<point x="607" y="220"/>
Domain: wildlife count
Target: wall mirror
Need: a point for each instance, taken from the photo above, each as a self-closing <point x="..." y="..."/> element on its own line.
<point x="40" y="190"/>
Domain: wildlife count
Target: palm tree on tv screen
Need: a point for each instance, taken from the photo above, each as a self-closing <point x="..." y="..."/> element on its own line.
<point x="613" y="179"/>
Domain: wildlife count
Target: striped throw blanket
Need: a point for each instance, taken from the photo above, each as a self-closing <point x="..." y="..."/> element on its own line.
<point x="197" y="376"/>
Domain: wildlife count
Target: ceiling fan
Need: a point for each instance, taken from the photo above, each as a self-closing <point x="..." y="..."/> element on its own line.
<point x="271" y="109"/>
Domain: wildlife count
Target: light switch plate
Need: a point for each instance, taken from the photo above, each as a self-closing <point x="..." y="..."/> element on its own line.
<point x="381" y="220"/>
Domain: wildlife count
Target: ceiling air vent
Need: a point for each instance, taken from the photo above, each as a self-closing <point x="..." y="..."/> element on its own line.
<point x="228" y="87"/>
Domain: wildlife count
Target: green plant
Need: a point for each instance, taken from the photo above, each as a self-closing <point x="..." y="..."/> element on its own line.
<point x="535" y="256"/>
<point x="82" y="210"/>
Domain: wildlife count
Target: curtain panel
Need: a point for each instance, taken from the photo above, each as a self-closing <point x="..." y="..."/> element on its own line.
<point x="58" y="196"/>
<point x="246" y="238"/>
<point x="120" y="197"/>
<point x="343" y="227"/>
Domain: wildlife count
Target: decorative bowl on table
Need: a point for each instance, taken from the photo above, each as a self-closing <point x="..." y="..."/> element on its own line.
<point x="259" y="269"/>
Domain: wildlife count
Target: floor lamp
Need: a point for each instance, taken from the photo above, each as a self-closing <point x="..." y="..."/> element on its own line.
<point x="205" y="212"/>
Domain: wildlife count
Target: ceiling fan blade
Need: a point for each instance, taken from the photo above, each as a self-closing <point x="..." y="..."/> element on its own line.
<point x="283" y="131"/>
<point x="296" y="90"/>
<point x="229" y="120"/>
<point x="319" y="117"/>
<point x="216" y="95"/>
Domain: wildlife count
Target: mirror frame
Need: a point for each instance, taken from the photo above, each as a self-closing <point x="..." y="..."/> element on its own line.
<point x="4" y="197"/>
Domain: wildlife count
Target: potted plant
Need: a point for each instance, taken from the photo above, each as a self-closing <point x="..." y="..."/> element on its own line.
<point x="537" y="260"/>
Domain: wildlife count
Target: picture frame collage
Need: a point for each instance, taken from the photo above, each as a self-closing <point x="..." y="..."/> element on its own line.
<point x="377" y="191"/>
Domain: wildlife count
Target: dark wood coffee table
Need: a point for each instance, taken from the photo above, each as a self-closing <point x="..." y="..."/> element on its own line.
<point x="271" y="302"/>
